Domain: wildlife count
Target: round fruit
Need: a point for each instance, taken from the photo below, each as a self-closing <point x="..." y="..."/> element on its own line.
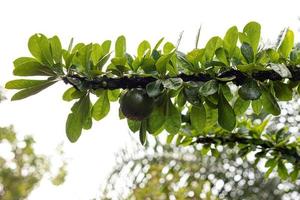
<point x="136" y="104"/>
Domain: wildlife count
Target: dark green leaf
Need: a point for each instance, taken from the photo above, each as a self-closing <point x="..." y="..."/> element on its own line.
<point x="143" y="132"/>
<point x="209" y="88"/>
<point x="154" y="88"/>
<point x="282" y="171"/>
<point x="269" y="102"/>
<point x="250" y="90"/>
<point x="226" y="115"/>
<point x="247" y="52"/>
<point x="173" y="118"/>
<point x="282" y="91"/>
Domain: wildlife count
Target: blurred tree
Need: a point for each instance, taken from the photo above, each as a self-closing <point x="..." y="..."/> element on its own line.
<point x="169" y="172"/>
<point x="21" y="168"/>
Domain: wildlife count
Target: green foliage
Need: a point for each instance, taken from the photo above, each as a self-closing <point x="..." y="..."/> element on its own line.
<point x="196" y="93"/>
<point x="21" y="173"/>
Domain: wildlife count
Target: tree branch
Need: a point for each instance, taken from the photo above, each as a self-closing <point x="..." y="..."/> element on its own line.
<point x="126" y="82"/>
<point x="265" y="145"/>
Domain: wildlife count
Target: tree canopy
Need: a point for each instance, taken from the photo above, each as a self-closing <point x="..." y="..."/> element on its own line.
<point x="21" y="168"/>
<point x="160" y="171"/>
<point x="197" y="96"/>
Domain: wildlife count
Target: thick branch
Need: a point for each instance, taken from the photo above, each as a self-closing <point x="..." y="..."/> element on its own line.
<point x="126" y="82"/>
<point x="265" y="145"/>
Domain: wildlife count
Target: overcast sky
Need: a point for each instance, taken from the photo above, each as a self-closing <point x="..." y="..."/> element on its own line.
<point x="44" y="115"/>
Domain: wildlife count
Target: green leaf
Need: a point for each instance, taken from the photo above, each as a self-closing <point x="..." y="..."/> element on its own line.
<point x="268" y="172"/>
<point x="250" y="67"/>
<point x="56" y="49"/>
<point x="198" y="117"/>
<point x="221" y="55"/>
<point x="32" y="90"/>
<point x="172" y="83"/>
<point x="230" y="40"/>
<point x="282" y="70"/>
<point x="68" y="94"/>
<point x="23" y="83"/>
<point x="102" y="62"/>
<point x="210" y="87"/>
<point x="143" y="132"/>
<point x="287" y="44"/>
<point x="173" y="118"/>
<point x="144" y="48"/>
<point x="26" y="66"/>
<point x="252" y="32"/>
<point x="39" y="47"/>
<point x="269" y="102"/>
<point x="282" y="91"/>
<point x="156" y="120"/>
<point x="294" y="174"/>
<point x="120" y="46"/>
<point x="113" y="95"/>
<point x="96" y="53"/>
<point x="154" y="88"/>
<point x="282" y="171"/>
<point x="256" y="106"/>
<point x="158" y="43"/>
<point x="161" y="64"/>
<point x="76" y="119"/>
<point x="226" y="115"/>
<point x="240" y="106"/>
<point x="168" y="48"/>
<point x="102" y="106"/>
<point x="271" y="163"/>
<point x="247" y="52"/>
<point x="106" y="47"/>
<point x="212" y="45"/>
<point x="170" y="138"/>
<point x="192" y="95"/>
<point x="133" y="125"/>
<point x="249" y="90"/>
<point x="181" y="100"/>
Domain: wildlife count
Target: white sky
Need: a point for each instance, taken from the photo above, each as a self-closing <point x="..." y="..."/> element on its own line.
<point x="44" y="115"/>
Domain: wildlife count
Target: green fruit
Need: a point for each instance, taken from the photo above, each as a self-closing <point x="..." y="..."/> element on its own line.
<point x="136" y="104"/>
